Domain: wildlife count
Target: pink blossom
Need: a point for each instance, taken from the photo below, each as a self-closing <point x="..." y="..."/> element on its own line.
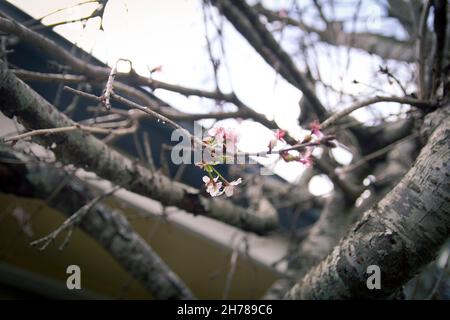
<point x="279" y="135"/>
<point x="306" y="157"/>
<point x="307" y="161"/>
<point x="231" y="138"/>
<point x="229" y="189"/>
<point x="220" y="133"/>
<point x="217" y="132"/>
<point x="283" y="13"/>
<point x="231" y="135"/>
<point x="315" y="129"/>
<point x="228" y="136"/>
<point x="213" y="186"/>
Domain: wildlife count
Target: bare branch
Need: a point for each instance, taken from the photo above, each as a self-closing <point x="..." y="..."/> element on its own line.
<point x="33" y="111"/>
<point x="383" y="46"/>
<point x="421" y="43"/>
<point x="422" y="104"/>
<point x="121" y="131"/>
<point x="71" y="221"/>
<point x="107" y="226"/>
<point x="106" y="96"/>
<point x="245" y="19"/>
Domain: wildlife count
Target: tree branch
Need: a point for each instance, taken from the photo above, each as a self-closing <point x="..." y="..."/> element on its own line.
<point x="400" y="234"/>
<point x="119" y="131"/>
<point x="246" y="21"/>
<point x="30" y="178"/>
<point x="71" y="221"/>
<point x="94" y="72"/>
<point x="34" y="112"/>
<point x="422" y="104"/>
<point x="385" y="47"/>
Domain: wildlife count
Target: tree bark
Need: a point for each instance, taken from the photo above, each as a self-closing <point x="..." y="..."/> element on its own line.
<point x="400" y="234"/>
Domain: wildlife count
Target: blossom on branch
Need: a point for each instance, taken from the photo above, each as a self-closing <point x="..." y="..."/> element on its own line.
<point x="213" y="186"/>
<point x="229" y="188"/>
<point x="223" y="137"/>
<point x="279" y="136"/>
<point x="307" y="158"/>
<point x="315" y="129"/>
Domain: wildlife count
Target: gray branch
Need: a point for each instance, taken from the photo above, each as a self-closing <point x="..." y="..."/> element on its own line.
<point x="34" y="112"/>
<point x="24" y="176"/>
<point x="383" y="46"/>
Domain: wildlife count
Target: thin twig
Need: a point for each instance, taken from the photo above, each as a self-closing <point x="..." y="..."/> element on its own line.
<point x="390" y="75"/>
<point x="133" y="105"/>
<point x="81" y="127"/>
<point x="71" y="221"/>
<point x="106" y="96"/>
<point x="148" y="151"/>
<point x="404" y="100"/>
<point x="61" y="9"/>
<point x="233" y="266"/>
<point x="377" y="153"/>
<point x="422" y="39"/>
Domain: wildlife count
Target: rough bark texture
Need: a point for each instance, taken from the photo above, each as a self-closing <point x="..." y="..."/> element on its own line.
<point x="337" y="216"/>
<point x="25" y="176"/>
<point x="79" y="148"/>
<point x="400" y="234"/>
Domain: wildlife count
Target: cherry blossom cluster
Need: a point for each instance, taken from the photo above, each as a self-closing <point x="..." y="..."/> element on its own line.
<point x="224" y="139"/>
<point x="302" y="151"/>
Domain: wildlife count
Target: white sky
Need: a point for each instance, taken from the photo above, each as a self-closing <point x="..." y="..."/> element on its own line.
<point x="171" y="33"/>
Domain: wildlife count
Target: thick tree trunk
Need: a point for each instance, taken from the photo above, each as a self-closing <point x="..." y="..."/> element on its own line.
<point x="400" y="234"/>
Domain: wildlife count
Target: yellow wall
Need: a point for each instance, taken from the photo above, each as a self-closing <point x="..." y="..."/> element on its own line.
<point x="201" y="264"/>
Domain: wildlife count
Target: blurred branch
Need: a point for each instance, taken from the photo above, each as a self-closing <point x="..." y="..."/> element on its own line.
<point x="33" y="111"/>
<point x="70" y="222"/>
<point x="421" y="43"/>
<point x="421" y="104"/>
<point x="440" y="30"/>
<point x="108" y="226"/>
<point x="383" y="46"/>
<point x="97" y="73"/>
<point x="245" y="19"/>
<point x="154" y="105"/>
<point x="376" y="154"/>
<point x="116" y="132"/>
